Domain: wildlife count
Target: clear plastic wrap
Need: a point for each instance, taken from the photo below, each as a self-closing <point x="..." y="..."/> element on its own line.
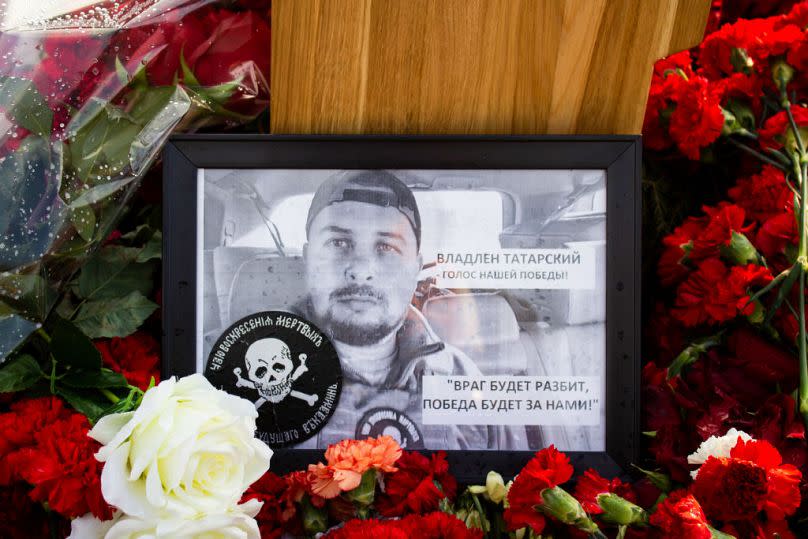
<point x="87" y="100"/>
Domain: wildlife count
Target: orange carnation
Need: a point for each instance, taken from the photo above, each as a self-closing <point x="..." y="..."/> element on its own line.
<point x="348" y="460"/>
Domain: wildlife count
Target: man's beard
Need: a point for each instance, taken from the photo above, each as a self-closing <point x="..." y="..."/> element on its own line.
<point x="351" y="332"/>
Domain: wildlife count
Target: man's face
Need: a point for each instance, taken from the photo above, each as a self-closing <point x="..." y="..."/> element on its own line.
<point x="362" y="267"/>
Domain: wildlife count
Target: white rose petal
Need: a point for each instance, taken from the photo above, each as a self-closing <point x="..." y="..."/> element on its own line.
<point x="89" y="527"/>
<point x="716" y="446"/>
<point x="230" y="525"/>
<point x="188" y="449"/>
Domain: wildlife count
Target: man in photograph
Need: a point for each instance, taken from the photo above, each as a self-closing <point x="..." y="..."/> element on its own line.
<point x="362" y="261"/>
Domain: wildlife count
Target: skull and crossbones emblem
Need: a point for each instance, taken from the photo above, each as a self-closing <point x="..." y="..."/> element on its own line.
<point x="271" y="372"/>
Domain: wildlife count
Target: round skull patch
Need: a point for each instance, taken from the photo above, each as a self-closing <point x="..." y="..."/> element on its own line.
<point x="286" y="366"/>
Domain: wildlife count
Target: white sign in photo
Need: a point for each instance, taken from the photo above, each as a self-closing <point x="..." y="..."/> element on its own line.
<point x="511" y="400"/>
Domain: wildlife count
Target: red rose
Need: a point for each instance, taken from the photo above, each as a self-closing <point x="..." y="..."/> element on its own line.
<point x="418" y="486"/>
<point x="730" y="489"/>
<point x="783" y="488"/>
<point x="137" y="357"/>
<point x="776" y="131"/>
<point x="63" y="470"/>
<point x="219" y="46"/>
<point x="591" y="483"/>
<point x="763" y="195"/>
<point x="681" y="517"/>
<point x="547" y="469"/>
<point x="723" y="220"/>
<point x="697" y="120"/>
<point x="678" y="244"/>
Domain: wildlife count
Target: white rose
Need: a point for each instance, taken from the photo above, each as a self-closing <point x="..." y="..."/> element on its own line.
<point x="89" y="527"/>
<point x="188" y="449"/>
<point x="235" y="524"/>
<point x="716" y="446"/>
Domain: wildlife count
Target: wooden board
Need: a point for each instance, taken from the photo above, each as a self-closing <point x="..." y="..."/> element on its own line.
<point x="471" y="66"/>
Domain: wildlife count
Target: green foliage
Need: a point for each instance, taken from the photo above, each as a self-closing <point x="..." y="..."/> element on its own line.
<point x="25" y="105"/>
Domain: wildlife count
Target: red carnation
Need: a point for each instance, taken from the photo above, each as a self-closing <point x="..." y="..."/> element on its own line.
<point x="777" y="233"/>
<point x="274" y="513"/>
<point x="440" y="525"/>
<point x="756" y="39"/>
<point x="723" y="220"/>
<point x="591" y="484"/>
<point x="762" y="195"/>
<point x="679" y="62"/>
<point x="776" y="132"/>
<point x="697" y="120"/>
<point x="783" y="494"/>
<point x="730" y="489"/>
<point x="678" y="244"/>
<point x="431" y="526"/>
<point x="63" y="470"/>
<point x="714" y="294"/>
<point x="20" y="518"/>
<point x="547" y="469"/>
<point x="369" y="529"/>
<point x="418" y="486"/>
<point x="18" y="429"/>
<point x="137" y="357"/>
<point x="681" y="517"/>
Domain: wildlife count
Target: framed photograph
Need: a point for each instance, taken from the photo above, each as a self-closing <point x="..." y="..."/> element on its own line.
<point x="478" y="295"/>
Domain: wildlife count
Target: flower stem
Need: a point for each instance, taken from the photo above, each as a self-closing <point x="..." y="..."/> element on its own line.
<point x="802" y="264"/>
<point x="113" y="398"/>
<point x="757" y="154"/>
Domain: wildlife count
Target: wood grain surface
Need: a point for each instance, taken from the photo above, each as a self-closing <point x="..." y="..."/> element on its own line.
<point x="471" y="66"/>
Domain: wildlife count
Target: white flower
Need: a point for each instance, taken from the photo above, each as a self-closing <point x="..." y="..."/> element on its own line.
<point x="188" y="450"/>
<point x="716" y="446"/>
<point x="235" y="524"/>
<point x="89" y="527"/>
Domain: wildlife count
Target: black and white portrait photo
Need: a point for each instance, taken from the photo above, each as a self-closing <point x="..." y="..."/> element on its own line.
<point x="467" y="307"/>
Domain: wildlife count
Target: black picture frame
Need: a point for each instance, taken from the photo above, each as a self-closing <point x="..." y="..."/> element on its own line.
<point x="618" y="155"/>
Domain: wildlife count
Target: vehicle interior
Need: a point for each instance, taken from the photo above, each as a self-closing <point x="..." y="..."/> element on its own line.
<point x="254" y="231"/>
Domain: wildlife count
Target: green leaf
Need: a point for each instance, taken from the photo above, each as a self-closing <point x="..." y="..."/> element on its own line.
<point x="23" y="103"/>
<point x="83" y="218"/>
<point x="692" y="353"/>
<point x="73" y="348"/>
<point x="187" y="75"/>
<point x="19" y="374"/>
<point x="26" y="188"/>
<point x="120" y="70"/>
<point x="113" y="273"/>
<point x="658" y="479"/>
<point x="740" y="250"/>
<point x="103" y="378"/>
<point x="114" y="317"/>
<point x="220" y="93"/>
<point x="83" y="403"/>
<point x="153" y="248"/>
<point x="99" y="192"/>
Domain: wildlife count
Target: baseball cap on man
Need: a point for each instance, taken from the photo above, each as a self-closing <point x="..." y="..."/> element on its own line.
<point x="377" y="187"/>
